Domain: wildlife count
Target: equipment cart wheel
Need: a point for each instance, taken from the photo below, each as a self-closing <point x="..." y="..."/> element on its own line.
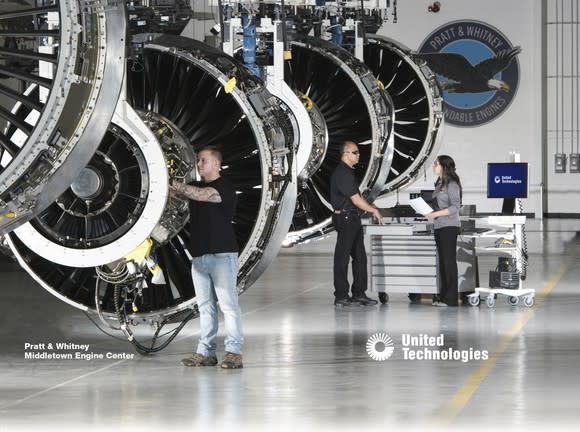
<point x="473" y="300"/>
<point x="415" y="298"/>
<point x="529" y="301"/>
<point x="513" y="300"/>
<point x="465" y="296"/>
<point x="383" y="297"/>
<point x="490" y="300"/>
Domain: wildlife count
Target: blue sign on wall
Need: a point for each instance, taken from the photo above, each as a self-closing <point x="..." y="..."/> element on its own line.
<point x="477" y="68"/>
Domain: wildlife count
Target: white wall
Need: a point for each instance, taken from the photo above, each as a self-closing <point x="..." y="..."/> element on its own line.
<point x="562" y="102"/>
<point x="519" y="128"/>
<point x="205" y="16"/>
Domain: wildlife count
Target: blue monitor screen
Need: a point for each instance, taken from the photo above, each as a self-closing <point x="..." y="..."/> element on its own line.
<point x="507" y="180"/>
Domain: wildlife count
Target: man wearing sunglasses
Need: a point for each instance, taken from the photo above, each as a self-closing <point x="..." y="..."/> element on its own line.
<point x="346" y="201"/>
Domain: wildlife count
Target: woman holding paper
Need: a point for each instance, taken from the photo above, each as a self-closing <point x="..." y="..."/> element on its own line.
<point x="446" y="201"/>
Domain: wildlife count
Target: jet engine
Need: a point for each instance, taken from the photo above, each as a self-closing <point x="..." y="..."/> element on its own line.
<point x="114" y="225"/>
<point x="350" y="106"/>
<point x="69" y="49"/>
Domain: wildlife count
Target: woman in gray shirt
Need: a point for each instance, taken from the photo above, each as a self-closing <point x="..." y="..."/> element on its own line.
<point x="447" y="201"/>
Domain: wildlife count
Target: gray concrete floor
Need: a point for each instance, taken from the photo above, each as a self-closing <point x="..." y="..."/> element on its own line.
<point x="306" y="365"/>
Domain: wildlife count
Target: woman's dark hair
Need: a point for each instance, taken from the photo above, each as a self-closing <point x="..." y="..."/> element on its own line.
<point x="448" y="171"/>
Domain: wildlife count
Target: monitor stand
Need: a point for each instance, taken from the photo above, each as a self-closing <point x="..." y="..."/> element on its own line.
<point x="509" y="206"/>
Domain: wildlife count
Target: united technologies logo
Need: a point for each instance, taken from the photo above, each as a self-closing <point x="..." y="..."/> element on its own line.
<point x="477" y="68"/>
<point x="421" y="346"/>
<point x="380" y="346"/>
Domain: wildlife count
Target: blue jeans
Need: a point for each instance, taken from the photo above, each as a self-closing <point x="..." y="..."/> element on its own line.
<point x="215" y="280"/>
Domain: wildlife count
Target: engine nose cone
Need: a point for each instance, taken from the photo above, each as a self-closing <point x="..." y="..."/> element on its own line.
<point x="87" y="184"/>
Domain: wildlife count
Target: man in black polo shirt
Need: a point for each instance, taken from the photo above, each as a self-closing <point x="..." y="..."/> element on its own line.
<point x="346" y="200"/>
<point x="214" y="264"/>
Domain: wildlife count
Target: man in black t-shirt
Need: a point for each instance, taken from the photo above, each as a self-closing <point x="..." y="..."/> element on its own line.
<point x="346" y="200"/>
<point x="214" y="265"/>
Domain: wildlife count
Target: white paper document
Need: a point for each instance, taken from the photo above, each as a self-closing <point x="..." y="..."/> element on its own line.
<point x="420" y="206"/>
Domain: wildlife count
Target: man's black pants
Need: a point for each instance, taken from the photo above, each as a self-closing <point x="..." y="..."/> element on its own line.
<point x="349" y="244"/>
<point x="446" y="241"/>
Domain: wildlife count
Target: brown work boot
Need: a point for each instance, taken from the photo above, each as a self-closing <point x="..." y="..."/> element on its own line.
<point x="198" y="360"/>
<point x="232" y="361"/>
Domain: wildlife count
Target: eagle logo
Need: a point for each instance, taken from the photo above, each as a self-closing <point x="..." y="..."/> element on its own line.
<point x="476" y="67"/>
<point x="463" y="77"/>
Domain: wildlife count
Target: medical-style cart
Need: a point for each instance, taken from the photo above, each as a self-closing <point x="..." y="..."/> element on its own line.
<point x="510" y="242"/>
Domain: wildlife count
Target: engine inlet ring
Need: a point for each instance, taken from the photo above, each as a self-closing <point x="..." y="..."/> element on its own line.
<point x="73" y="240"/>
<point x="418" y="103"/>
<point x="353" y="108"/>
<point x="52" y="127"/>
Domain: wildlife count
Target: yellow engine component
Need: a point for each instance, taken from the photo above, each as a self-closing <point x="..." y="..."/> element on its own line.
<point x="229" y="86"/>
<point x="307" y="102"/>
<point x="141" y="252"/>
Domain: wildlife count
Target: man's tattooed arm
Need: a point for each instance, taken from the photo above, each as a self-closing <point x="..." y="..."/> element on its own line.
<point x="207" y="194"/>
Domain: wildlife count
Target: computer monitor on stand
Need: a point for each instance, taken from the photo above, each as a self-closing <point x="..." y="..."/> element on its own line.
<point x="507" y="180"/>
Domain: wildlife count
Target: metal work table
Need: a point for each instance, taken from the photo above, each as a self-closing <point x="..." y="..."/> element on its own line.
<point x="403" y="259"/>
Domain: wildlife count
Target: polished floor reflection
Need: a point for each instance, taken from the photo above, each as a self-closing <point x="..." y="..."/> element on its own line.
<point x="306" y="364"/>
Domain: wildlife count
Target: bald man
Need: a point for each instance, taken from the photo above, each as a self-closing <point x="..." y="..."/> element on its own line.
<point x="346" y="202"/>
